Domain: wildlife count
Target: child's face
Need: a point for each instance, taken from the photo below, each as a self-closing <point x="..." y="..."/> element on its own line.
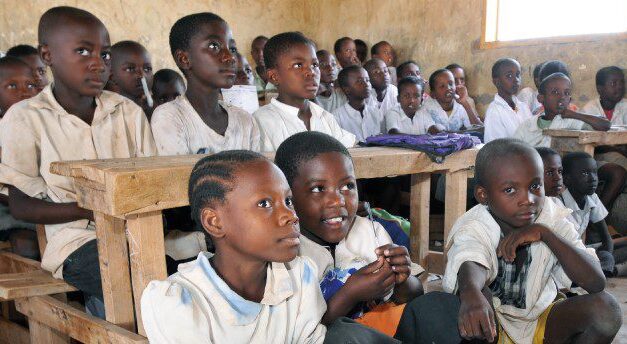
<point x="211" y="60"/>
<point x="79" y="54"/>
<point x="244" y="72"/>
<point x="509" y="79"/>
<point x="553" y="182"/>
<point x="379" y="75"/>
<point x="39" y="70"/>
<point x="164" y="92"/>
<point x="297" y="72"/>
<point x="583" y="179"/>
<point x="128" y="68"/>
<point x="614" y="88"/>
<point x="410" y="98"/>
<point x="358" y="85"/>
<point x="386" y="53"/>
<point x="557" y="97"/>
<point x="411" y="70"/>
<point x="325" y="197"/>
<point x="459" y="76"/>
<point x="269" y="229"/>
<point x="328" y="68"/>
<point x="16" y="84"/>
<point x="257" y="51"/>
<point x="347" y="55"/>
<point x="514" y="193"/>
<point x="444" y="89"/>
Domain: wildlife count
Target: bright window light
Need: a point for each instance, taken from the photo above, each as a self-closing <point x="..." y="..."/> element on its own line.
<point x="510" y="20"/>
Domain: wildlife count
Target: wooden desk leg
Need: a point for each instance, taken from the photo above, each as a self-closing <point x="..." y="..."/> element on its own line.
<point x="419" y="217"/>
<point x="40" y="333"/>
<point x="455" y="201"/>
<point x="147" y="255"/>
<point x="114" y="271"/>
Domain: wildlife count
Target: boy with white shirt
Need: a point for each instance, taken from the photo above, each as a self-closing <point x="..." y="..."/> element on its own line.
<point x="357" y="115"/>
<point x="505" y="112"/>
<point x="329" y="95"/>
<point x="610" y="83"/>
<point x="292" y="66"/>
<point x="408" y="117"/>
<point x="384" y="95"/>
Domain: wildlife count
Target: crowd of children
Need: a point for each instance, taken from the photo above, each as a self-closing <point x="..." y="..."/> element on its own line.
<point x="302" y="266"/>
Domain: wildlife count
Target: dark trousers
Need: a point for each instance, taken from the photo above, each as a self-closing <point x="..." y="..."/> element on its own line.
<point x="347" y="331"/>
<point x="81" y="269"/>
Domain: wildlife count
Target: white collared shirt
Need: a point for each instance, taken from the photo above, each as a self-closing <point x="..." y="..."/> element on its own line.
<point x="475" y="237"/>
<point x="418" y="125"/>
<point x="370" y="124"/>
<point x="530" y="132"/>
<point x="179" y="130"/>
<point x="619" y="117"/>
<point x="332" y="102"/>
<point x="195" y="305"/>
<point x="453" y="122"/>
<point x="529" y="97"/>
<point x="278" y="121"/>
<point x="390" y="100"/>
<point x="501" y="120"/>
<point x="593" y="211"/>
<point x="38" y="131"/>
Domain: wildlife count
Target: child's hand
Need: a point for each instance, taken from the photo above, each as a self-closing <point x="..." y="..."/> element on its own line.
<point x="508" y="245"/>
<point x="462" y="92"/>
<point x="398" y="258"/>
<point x="476" y="318"/>
<point x="372" y="282"/>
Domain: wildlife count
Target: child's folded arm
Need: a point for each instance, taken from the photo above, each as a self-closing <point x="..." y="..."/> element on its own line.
<point x="34" y="210"/>
<point x="597" y="123"/>
<point x="476" y="317"/>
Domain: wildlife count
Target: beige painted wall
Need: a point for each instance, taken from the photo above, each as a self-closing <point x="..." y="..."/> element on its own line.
<point x="433" y="32"/>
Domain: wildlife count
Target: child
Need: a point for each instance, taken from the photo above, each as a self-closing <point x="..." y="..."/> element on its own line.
<point x="460" y="83"/>
<point x="292" y="66"/>
<point x="256" y="50"/>
<point x="74" y="119"/>
<point x="385" y="95"/>
<point x="254" y="288"/>
<point x="329" y="96"/>
<point x="130" y="63"/>
<point x="385" y="52"/>
<point x="408" y="117"/>
<point x="528" y="95"/>
<point x="442" y="106"/>
<point x="508" y="257"/>
<point x="358" y="116"/>
<point x="30" y="55"/>
<point x="197" y="122"/>
<point x="553" y="172"/>
<point x="16" y="82"/>
<point x="555" y="96"/>
<point x="361" y="49"/>
<point x="346" y="52"/>
<point x="505" y="112"/>
<point x="357" y="262"/>
<point x="548" y="68"/>
<point x="610" y="82"/>
<point x="244" y="72"/>
<point x="167" y="85"/>
<point x="408" y="68"/>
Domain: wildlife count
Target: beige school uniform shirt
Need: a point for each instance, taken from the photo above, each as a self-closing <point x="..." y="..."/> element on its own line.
<point x="475" y="237"/>
<point x="501" y="121"/>
<point x="390" y="100"/>
<point x="332" y="102"/>
<point x="593" y="211"/>
<point x="418" y="125"/>
<point x="278" y="121"/>
<point x="619" y="117"/>
<point x="530" y="132"/>
<point x="195" y="305"/>
<point x="529" y="97"/>
<point x="369" y="122"/>
<point x="38" y="131"/>
<point x="454" y="121"/>
<point x="179" y="130"/>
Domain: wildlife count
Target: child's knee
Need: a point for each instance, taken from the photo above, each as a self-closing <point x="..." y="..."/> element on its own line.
<point x="605" y="313"/>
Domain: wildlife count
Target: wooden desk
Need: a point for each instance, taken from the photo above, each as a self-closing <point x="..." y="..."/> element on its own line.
<point x="584" y="140"/>
<point x="135" y="191"/>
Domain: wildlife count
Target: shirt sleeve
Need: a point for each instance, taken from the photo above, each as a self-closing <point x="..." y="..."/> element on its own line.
<point x="145" y="141"/>
<point x="348" y="139"/>
<point x="598" y="211"/>
<point x="169" y="132"/>
<point x="255" y="137"/>
<point x="493" y="127"/>
<point x="308" y="328"/>
<point x="391" y="121"/>
<point x="265" y="132"/>
<point x="20" y="153"/>
<point x="567" y="231"/>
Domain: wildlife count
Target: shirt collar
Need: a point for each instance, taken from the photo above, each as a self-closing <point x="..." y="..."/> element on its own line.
<point x="316" y="110"/>
<point x="570" y="202"/>
<point x="499" y="100"/>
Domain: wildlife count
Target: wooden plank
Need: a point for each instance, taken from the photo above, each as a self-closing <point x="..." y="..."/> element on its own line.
<point x="564" y="144"/>
<point x="41" y="239"/>
<point x="598" y="138"/>
<point x="147" y="254"/>
<point x="114" y="271"/>
<point x="32" y="283"/>
<point x="11" y="263"/>
<point x="455" y="199"/>
<point x="73" y="322"/>
<point x="40" y="333"/>
<point x="435" y="262"/>
<point x="4" y="245"/>
<point x="419" y="217"/>
<point x="12" y="333"/>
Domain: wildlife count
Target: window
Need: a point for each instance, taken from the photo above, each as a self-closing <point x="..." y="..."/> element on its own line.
<point x="515" y="20"/>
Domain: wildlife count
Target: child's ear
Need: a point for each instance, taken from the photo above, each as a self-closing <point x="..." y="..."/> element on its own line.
<point x="44" y="54"/>
<point x="210" y="221"/>
<point x="541" y="98"/>
<point x="182" y="59"/>
<point x="496" y="82"/>
<point x="481" y="195"/>
<point x="273" y="76"/>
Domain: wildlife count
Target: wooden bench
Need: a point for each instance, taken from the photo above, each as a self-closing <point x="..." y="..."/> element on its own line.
<point x="128" y="195"/>
<point x="584" y="140"/>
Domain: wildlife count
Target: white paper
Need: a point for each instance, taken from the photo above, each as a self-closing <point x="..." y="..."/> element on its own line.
<point x="242" y="96"/>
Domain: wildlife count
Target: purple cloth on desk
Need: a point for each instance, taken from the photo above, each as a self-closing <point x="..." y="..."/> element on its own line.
<point x="436" y="146"/>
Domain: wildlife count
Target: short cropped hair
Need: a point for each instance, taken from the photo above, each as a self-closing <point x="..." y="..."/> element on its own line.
<point x="570" y="160"/>
<point x="22" y="50"/>
<point x="453" y="66"/>
<point x="280" y="44"/>
<point x="551" y="67"/>
<point x="546" y="152"/>
<point x="56" y="17"/>
<point x="338" y="44"/>
<point x="411" y="80"/>
<point x="601" y="76"/>
<point x="167" y="75"/>
<point x="186" y="28"/>
<point x="435" y="74"/>
<point x="536" y="70"/>
<point x="498" y="150"/>
<point x="302" y="147"/>
<point x="545" y="81"/>
<point x="11" y="62"/>
<point x="342" y="77"/>
<point x="402" y="66"/>
<point x="496" y="67"/>
<point x="374" y="50"/>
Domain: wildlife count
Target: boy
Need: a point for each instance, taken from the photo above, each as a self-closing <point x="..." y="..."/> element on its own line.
<point x="553" y="171"/>
<point x="167" y="85"/>
<point x="346" y="52"/>
<point x="610" y="83"/>
<point x="528" y="95"/>
<point x="292" y="66"/>
<point x="358" y="116"/>
<point x="384" y="95"/>
<point x="244" y="72"/>
<point x="197" y="122"/>
<point x="130" y="63"/>
<point x="505" y="112"/>
<point x="356" y="259"/>
<point x="555" y="96"/>
<point x="72" y="120"/>
<point x="385" y="52"/>
<point x="30" y="55"/>
<point x="16" y="82"/>
<point x="460" y="84"/>
<point x="329" y="96"/>
<point x="256" y="50"/>
<point x="408" y="117"/>
<point x="361" y="49"/>
<point x="408" y="68"/>
<point x="508" y="257"/>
